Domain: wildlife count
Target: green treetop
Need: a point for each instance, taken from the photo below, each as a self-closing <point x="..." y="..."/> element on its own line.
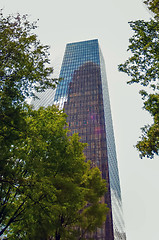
<point x="143" y="68"/>
<point x="47" y="188"/>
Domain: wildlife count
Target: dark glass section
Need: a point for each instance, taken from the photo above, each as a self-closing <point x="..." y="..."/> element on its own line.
<point x="85" y="111"/>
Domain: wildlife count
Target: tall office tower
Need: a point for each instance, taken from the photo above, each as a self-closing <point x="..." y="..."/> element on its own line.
<point x="83" y="93"/>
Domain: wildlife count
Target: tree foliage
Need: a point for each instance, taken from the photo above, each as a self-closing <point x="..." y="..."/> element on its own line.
<point x="24" y="67"/>
<point x="24" y="60"/>
<point x="47" y="188"/>
<point x="143" y="68"/>
<point x="153" y="6"/>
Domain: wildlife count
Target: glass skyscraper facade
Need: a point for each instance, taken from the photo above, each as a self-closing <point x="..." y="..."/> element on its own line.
<point x="83" y="93"/>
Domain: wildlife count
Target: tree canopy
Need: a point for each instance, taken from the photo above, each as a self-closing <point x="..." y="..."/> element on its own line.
<point x="24" y="68"/>
<point x="153" y="6"/>
<point x="47" y="188"/>
<point x="143" y="68"/>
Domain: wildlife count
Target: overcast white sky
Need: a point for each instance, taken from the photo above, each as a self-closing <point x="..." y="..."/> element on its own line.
<point x="63" y="21"/>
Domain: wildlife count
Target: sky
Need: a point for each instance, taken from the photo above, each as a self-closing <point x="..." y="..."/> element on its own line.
<point x="64" y="21"/>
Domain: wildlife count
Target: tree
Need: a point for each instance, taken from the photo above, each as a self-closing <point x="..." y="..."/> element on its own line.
<point x="143" y="68"/>
<point x="47" y="188"/>
<point x="51" y="190"/>
<point x="24" y="68"/>
<point x="153" y="6"/>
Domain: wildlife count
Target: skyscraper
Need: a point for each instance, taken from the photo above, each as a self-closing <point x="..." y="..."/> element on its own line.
<point x="83" y="93"/>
